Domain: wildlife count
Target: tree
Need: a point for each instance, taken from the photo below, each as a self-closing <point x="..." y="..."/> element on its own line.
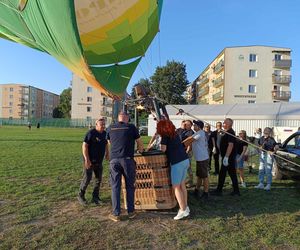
<point x="57" y="113"/>
<point x="169" y="82"/>
<point x="64" y="107"/>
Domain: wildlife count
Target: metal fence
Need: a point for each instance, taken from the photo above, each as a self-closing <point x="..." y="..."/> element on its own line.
<point x="51" y="122"/>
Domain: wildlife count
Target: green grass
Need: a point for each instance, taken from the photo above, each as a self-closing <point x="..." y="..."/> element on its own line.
<point x="40" y="173"/>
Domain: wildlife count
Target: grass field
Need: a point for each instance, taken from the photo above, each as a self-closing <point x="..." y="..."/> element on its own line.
<point x="40" y="172"/>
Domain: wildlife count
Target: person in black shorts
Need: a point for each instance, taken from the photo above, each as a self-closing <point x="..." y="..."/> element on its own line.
<point x="94" y="148"/>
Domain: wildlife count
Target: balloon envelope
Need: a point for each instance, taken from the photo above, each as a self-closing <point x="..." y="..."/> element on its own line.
<point x="100" y="41"/>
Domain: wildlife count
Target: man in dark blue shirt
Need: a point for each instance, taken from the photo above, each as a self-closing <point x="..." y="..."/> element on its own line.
<point x="94" y="148"/>
<point x="122" y="137"/>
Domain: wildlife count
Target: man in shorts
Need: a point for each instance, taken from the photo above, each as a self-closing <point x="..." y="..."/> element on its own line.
<point x="200" y="152"/>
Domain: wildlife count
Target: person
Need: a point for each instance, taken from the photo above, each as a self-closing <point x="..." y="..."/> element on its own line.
<point x="216" y="138"/>
<point x="94" y="148"/>
<point x="210" y="146"/>
<point x="29" y="125"/>
<point x="200" y="152"/>
<point x="154" y="143"/>
<point x="122" y="137"/>
<point x="179" y="160"/>
<point x="180" y="130"/>
<point x="38" y="125"/>
<point x="188" y="132"/>
<point x="228" y="154"/>
<point x="269" y="146"/>
<point x="241" y="149"/>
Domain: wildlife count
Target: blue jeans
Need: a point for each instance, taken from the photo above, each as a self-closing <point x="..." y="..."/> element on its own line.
<point x="265" y="167"/>
<point x="125" y="167"/>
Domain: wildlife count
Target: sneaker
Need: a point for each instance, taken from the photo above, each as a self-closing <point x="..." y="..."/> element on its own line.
<point x="260" y="186"/>
<point x="96" y="201"/>
<point x="233" y="193"/>
<point x="188" y="210"/>
<point x="81" y="199"/>
<point x="243" y="184"/>
<point x="196" y="192"/>
<point x="114" y="218"/>
<point x="268" y="187"/>
<point x="204" y="196"/>
<point x="182" y="214"/>
<point x="131" y="215"/>
<point x="216" y="192"/>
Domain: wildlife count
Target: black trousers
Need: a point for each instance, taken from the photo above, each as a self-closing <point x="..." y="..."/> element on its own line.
<point x="217" y="164"/>
<point x="232" y="173"/>
<point x="97" y="168"/>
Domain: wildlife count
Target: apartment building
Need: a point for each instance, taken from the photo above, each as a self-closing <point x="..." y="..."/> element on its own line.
<point x="250" y="74"/>
<point x="87" y="102"/>
<point x="26" y="102"/>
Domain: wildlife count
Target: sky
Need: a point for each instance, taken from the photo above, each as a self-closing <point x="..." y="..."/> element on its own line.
<point x="192" y="31"/>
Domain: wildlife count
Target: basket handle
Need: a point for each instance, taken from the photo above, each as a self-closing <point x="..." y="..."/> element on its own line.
<point x="162" y="201"/>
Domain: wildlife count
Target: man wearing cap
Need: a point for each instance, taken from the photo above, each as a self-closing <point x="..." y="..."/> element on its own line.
<point x="94" y="148"/>
<point x="200" y="152"/>
<point x="122" y="137"/>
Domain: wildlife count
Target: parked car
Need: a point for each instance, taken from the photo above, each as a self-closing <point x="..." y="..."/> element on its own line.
<point x="289" y="150"/>
<point x="143" y="130"/>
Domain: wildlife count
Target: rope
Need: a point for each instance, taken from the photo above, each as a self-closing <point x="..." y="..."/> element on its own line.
<point x="181" y="111"/>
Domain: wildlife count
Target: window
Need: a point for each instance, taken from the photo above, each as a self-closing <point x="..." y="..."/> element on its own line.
<point x="89" y="99"/>
<point x="10" y="103"/>
<point x="252" y="89"/>
<point x="251" y="101"/>
<point x="278" y="57"/>
<point x="89" y="89"/>
<point x="88" y="109"/>
<point x="11" y="89"/>
<point x="252" y="73"/>
<point x="252" y="58"/>
<point x="10" y="111"/>
<point x="11" y="96"/>
<point x="277" y="72"/>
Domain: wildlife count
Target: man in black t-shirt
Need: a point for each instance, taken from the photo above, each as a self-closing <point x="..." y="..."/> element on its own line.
<point x="228" y="154"/>
<point x="94" y="148"/>
<point x="122" y="137"/>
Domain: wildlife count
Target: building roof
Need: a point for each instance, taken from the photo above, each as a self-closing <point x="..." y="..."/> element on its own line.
<point x="259" y="111"/>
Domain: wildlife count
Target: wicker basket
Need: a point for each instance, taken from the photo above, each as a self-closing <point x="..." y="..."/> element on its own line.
<point x="153" y="189"/>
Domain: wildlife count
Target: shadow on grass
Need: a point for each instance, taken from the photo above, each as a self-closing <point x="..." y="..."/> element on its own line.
<point x="283" y="198"/>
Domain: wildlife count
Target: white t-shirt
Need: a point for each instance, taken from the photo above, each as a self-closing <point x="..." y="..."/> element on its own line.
<point x="199" y="146"/>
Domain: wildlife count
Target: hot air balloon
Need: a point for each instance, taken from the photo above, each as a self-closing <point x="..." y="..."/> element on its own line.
<point x="102" y="41"/>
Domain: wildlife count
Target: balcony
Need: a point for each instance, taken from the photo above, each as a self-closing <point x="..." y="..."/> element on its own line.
<point x="105" y="113"/>
<point x="218" y="96"/>
<point x="219" y="67"/>
<point x="203" y="101"/>
<point x="281" y="95"/>
<point x="284" y="63"/>
<point x="218" y="82"/>
<point x="203" y="80"/>
<point x="282" y="79"/>
<point x="203" y="91"/>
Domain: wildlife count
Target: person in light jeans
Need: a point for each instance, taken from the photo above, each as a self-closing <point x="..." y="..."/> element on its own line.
<point x="266" y="159"/>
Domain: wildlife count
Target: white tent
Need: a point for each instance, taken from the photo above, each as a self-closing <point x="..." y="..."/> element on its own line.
<point x="245" y="116"/>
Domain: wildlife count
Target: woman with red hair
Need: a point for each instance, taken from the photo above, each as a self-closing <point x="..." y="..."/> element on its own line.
<point x="179" y="160"/>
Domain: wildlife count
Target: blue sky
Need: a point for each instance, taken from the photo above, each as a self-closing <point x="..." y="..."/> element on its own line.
<point x="191" y="31"/>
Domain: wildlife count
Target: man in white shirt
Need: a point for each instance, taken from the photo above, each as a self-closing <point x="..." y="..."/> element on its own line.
<point x="200" y="152"/>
